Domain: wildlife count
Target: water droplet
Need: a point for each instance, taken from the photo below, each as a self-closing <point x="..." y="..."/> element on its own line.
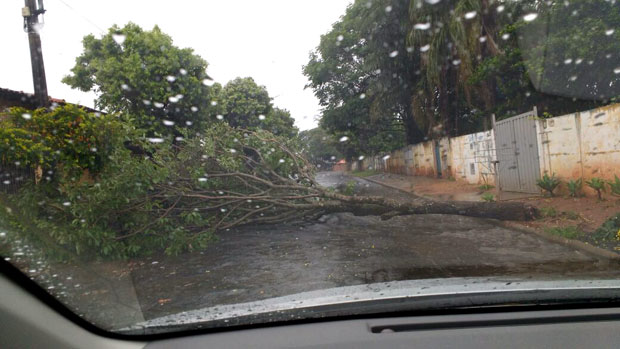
<point x="578" y="61"/>
<point x="119" y="38"/>
<point x="208" y="82"/>
<point x="219" y="116"/>
<point x="506" y="36"/>
<point x="333" y="157"/>
<point x="7" y="182"/>
<point x="568" y="61"/>
<point x="409" y="49"/>
<point x="233" y="150"/>
<point x="422" y="26"/>
<point x="281" y="161"/>
<point x="344" y="138"/>
<point x="340" y="38"/>
<point x="223" y="209"/>
<point x="361" y="158"/>
<point x="388" y="8"/>
<point x="425" y="48"/>
<point x="261" y="117"/>
<point x="26" y="116"/>
<point x="470" y="15"/>
<point x="183" y="71"/>
<point x="482" y="39"/>
<point x="125" y="87"/>
<point x="146" y="102"/>
<point x="530" y="16"/>
<point x="66" y="203"/>
<point x="213" y="103"/>
<point x="456" y="62"/>
<point x="202" y="179"/>
<point x="362" y="96"/>
<point x="158" y="105"/>
<point x="194" y="109"/>
<point x="173" y="99"/>
<point x="93" y="149"/>
<point x="171" y="78"/>
<point x="609" y="32"/>
<point x="617" y="70"/>
<point x="178" y="138"/>
<point x="155" y="140"/>
<point x="393" y="54"/>
<point x="168" y="122"/>
<point x="386" y="157"/>
<point x="573" y="78"/>
<point x="189" y="123"/>
<point x="500" y="8"/>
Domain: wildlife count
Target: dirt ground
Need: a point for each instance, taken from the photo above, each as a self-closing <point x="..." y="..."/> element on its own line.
<point x="585" y="213"/>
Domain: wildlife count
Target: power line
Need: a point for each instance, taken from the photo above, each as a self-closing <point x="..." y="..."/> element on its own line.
<point x="83" y="16"/>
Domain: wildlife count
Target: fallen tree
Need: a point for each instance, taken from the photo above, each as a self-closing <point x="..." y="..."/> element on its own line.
<point x="182" y="192"/>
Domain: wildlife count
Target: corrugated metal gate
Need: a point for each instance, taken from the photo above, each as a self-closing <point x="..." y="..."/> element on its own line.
<point x="517" y="153"/>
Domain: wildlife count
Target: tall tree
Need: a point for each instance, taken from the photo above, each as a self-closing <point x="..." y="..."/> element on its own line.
<point x="147" y="79"/>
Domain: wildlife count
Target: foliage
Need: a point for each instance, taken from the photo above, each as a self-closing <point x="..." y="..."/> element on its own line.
<point x="574" y="187"/>
<point x="486" y="187"/>
<point x="144" y="77"/>
<point x="349" y="188"/>
<point x="246" y="105"/>
<point x="66" y="140"/>
<point x="319" y="147"/>
<point x="548" y="183"/>
<point x="610" y="230"/>
<point x="570" y="232"/>
<point x="488" y="197"/>
<point x="597" y="184"/>
<point x="548" y="212"/>
<point x="614" y="186"/>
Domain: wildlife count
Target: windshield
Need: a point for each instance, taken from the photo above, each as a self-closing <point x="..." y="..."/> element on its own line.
<point x="218" y="163"/>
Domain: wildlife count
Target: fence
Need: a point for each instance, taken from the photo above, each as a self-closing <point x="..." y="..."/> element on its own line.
<point x="580" y="145"/>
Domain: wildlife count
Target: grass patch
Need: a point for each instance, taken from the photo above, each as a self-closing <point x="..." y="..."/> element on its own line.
<point x="365" y="173"/>
<point x="572" y="215"/>
<point x="570" y="232"/>
<point x="548" y="212"/>
<point x="488" y="197"/>
<point x="485" y="187"/>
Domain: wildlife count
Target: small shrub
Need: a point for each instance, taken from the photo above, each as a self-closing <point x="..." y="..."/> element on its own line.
<point x="548" y="183"/>
<point x="548" y="212"/>
<point x="574" y="187"/>
<point x="614" y="186"/>
<point x="570" y="232"/>
<point x="610" y="230"/>
<point x="488" y="197"/>
<point x="598" y="185"/>
<point x="486" y="187"/>
<point x="349" y="188"/>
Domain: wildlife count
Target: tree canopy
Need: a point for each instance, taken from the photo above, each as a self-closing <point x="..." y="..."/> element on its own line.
<point x="432" y="69"/>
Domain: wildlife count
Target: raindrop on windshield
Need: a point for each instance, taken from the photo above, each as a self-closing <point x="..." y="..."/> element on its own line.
<point x="470" y="15"/>
<point x="617" y="70"/>
<point x="171" y="78"/>
<point x="344" y="138"/>
<point x="609" y="32"/>
<point x="213" y="103"/>
<point x="155" y="140"/>
<point x="146" y="102"/>
<point x="194" y="109"/>
<point x="66" y="203"/>
<point x="233" y="150"/>
<point x="168" y="122"/>
<point x="208" y="82"/>
<point x="483" y="39"/>
<point x="281" y="161"/>
<point x="26" y="116"/>
<point x="386" y="157"/>
<point x="432" y="2"/>
<point x="125" y="87"/>
<point x="388" y="8"/>
<point x="500" y="8"/>
<point x="422" y="26"/>
<point x="202" y="179"/>
<point x="362" y="96"/>
<point x="340" y="37"/>
<point x="219" y="116"/>
<point x="568" y="61"/>
<point x="506" y="36"/>
<point x="158" y="105"/>
<point x="261" y="117"/>
<point x="425" y="48"/>
<point x="173" y="99"/>
<point x="183" y="71"/>
<point x="361" y="157"/>
<point x="393" y="54"/>
<point x="530" y="17"/>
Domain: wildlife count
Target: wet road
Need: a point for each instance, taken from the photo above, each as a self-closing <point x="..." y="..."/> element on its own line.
<point x="253" y="263"/>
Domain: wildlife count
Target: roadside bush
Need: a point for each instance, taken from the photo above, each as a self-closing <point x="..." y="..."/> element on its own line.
<point x="66" y="140"/>
<point x="574" y="187"/>
<point x="571" y="232"/>
<point x="610" y="230"/>
<point x="485" y="187"/>
<point x="548" y="183"/>
<point x="488" y="197"/>
<point x="597" y="184"/>
<point x="548" y="212"/>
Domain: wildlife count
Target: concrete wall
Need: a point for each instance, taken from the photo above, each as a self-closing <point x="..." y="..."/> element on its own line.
<point x="581" y="145"/>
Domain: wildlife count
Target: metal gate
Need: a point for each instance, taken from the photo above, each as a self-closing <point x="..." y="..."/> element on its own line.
<point x="516" y="145"/>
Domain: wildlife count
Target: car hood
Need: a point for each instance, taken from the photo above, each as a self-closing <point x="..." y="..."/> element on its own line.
<point x="387" y="297"/>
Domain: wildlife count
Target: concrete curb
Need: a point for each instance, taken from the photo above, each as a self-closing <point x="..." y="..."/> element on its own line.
<point x="393" y="187"/>
<point x="590" y="249"/>
<point x="576" y="244"/>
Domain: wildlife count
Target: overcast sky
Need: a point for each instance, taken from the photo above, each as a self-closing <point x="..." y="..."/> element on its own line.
<point x="268" y="40"/>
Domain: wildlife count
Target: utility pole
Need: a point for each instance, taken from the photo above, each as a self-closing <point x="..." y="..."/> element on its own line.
<point x="31" y="13"/>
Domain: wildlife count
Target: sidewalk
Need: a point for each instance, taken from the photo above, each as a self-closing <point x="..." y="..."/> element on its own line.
<point x="432" y="188"/>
